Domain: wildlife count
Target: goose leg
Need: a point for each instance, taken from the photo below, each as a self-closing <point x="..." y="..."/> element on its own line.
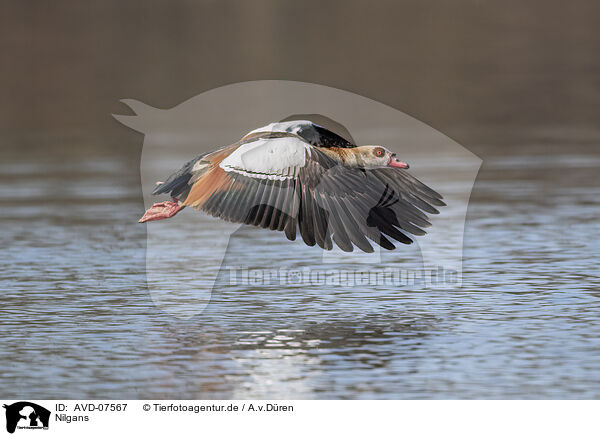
<point x="161" y="211"/>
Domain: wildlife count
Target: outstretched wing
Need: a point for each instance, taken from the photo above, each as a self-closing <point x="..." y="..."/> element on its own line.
<point x="281" y="182"/>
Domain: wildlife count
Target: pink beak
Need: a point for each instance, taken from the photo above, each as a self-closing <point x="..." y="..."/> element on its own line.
<point x="397" y="163"/>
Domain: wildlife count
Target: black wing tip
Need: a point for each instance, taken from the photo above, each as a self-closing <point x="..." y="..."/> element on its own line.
<point x="429" y="208"/>
<point x="384" y="243"/>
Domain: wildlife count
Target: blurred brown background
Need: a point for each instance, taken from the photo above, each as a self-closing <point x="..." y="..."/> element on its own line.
<point x="482" y="72"/>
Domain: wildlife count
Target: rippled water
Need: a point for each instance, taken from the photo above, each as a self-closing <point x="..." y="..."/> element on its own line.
<point x="77" y="319"/>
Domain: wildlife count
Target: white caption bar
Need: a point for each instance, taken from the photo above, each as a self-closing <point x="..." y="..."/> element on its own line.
<point x="152" y="417"/>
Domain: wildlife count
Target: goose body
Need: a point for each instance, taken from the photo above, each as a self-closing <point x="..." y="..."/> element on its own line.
<point x="298" y="176"/>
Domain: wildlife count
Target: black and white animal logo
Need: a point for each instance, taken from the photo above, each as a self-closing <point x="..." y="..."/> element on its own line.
<point x="26" y="415"/>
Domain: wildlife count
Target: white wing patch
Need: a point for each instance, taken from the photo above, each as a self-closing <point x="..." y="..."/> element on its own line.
<point x="274" y="158"/>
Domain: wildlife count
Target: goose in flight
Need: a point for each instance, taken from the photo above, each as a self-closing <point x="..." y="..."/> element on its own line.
<point x="298" y="176"/>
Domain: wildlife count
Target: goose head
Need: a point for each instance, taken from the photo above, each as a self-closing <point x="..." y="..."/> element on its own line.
<point x="376" y="156"/>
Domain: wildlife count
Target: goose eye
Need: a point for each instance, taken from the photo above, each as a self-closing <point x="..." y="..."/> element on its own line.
<point x="379" y="152"/>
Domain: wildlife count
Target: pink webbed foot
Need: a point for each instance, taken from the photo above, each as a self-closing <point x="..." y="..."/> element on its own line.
<point x="161" y="211"/>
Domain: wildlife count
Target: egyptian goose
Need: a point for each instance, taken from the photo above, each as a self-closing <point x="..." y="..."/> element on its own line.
<point x="298" y="175"/>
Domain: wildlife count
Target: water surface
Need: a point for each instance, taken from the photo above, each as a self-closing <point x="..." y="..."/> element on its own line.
<point x="78" y="321"/>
